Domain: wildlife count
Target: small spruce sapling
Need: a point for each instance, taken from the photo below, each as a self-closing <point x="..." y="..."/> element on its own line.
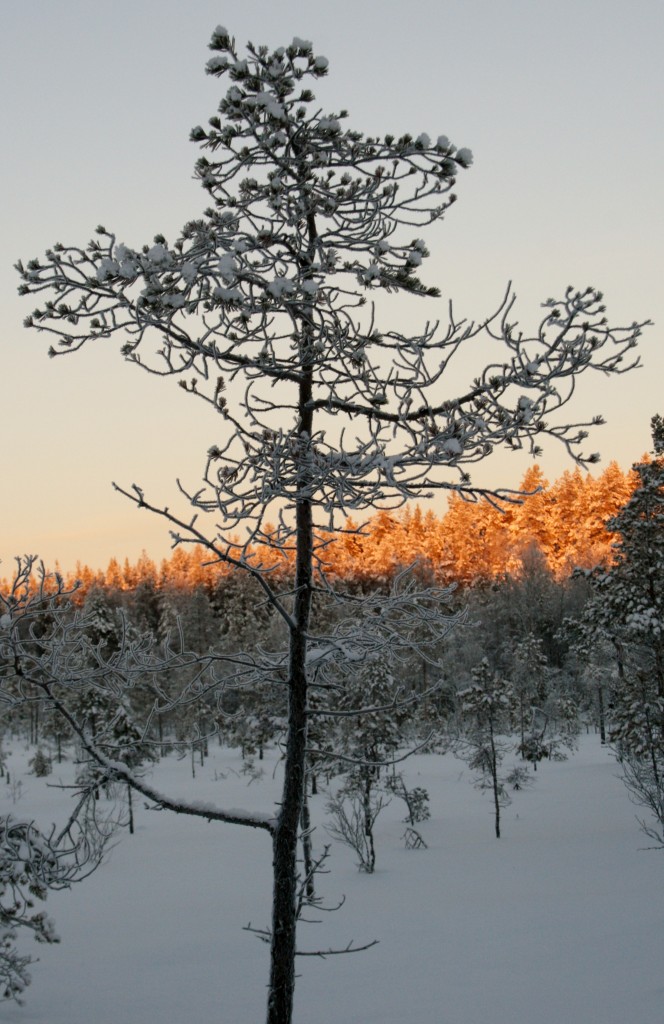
<point x="417" y="804"/>
<point x="41" y="764"/>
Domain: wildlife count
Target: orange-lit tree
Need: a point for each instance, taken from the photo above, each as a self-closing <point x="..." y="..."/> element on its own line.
<point x="264" y="307"/>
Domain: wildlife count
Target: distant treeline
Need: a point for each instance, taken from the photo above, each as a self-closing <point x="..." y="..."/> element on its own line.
<point x="472" y="541"/>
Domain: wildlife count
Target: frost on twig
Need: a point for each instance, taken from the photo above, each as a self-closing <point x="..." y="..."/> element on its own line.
<point x="31" y="864"/>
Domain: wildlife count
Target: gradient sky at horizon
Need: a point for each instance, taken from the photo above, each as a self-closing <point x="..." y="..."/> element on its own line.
<point x="561" y="103"/>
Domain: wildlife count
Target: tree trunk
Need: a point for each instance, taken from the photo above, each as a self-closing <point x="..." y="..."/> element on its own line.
<point x="284" y="858"/>
<point x="602" y="719"/>
<point x="368" y="823"/>
<point x="522" y="725"/>
<point x="285" y="837"/>
<point x="494" y="779"/>
<point x="130" y="802"/>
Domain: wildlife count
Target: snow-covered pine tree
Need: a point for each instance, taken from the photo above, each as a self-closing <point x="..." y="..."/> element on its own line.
<point x="486" y="710"/>
<point x="627" y="610"/>
<point x="528" y="676"/>
<point x="365" y="741"/>
<point x="264" y="308"/>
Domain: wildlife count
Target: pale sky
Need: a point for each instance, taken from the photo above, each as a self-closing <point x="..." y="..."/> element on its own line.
<point x="560" y="100"/>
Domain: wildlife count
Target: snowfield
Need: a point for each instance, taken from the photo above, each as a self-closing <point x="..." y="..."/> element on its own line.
<point x="558" y="922"/>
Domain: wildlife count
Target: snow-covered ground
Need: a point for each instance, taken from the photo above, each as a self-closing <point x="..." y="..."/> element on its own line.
<point x="558" y="922"/>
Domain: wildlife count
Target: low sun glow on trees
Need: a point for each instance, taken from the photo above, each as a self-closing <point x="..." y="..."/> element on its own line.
<point x="565" y="521"/>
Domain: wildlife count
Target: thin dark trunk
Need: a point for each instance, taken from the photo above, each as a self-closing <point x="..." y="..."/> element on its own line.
<point x="494" y="779"/>
<point x="130" y="802"/>
<point x="285" y="837"/>
<point x="522" y="726"/>
<point x="284" y="858"/>
<point x="602" y="718"/>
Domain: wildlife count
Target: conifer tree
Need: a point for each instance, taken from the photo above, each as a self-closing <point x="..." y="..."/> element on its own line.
<point x="486" y="708"/>
<point x="530" y="522"/>
<point x="264" y="309"/>
<point x="629" y="596"/>
<point x="628" y="610"/>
